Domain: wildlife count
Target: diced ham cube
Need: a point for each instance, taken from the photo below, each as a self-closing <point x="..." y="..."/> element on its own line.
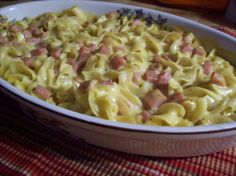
<point x="177" y="97"/>
<point x="163" y="82"/>
<point x="84" y="54"/>
<point x="33" y="28"/>
<point x="104" y="50"/>
<point x="42" y="45"/>
<point x="163" y="78"/>
<point x="151" y="76"/>
<point x="43" y="92"/>
<point x="145" y="116"/>
<point x="56" y="53"/>
<point x="37" y="33"/>
<point x="207" y="67"/>
<point x="199" y="51"/>
<point x="136" y="76"/>
<point x="117" y="62"/>
<point x="33" y="41"/>
<point x="82" y="60"/>
<point x="40" y="34"/>
<point x="186" y="48"/>
<point x="27" y="34"/>
<point x="1" y="40"/>
<point x="136" y="22"/>
<point x="39" y="51"/>
<point x="93" y="47"/>
<point x="152" y="100"/>
<point x="28" y="62"/>
<point x="15" y="28"/>
<point x="86" y="85"/>
<point x="156" y="59"/>
<point x="218" y="79"/>
<point x="152" y="72"/>
<point x="85" y="50"/>
<point x="107" y="82"/>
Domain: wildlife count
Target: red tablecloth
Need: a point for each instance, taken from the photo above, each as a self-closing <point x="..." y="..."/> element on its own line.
<point x="29" y="148"/>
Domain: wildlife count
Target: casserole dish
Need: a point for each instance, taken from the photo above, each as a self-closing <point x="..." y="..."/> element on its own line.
<point x="136" y="139"/>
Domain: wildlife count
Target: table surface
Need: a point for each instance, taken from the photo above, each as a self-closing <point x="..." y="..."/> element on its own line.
<point x="28" y="148"/>
<point x="203" y="16"/>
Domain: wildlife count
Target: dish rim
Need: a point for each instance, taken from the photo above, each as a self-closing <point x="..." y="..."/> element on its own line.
<point x="203" y="129"/>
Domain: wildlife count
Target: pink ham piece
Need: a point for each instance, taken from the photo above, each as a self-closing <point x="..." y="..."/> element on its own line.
<point x="177" y="97"/>
<point x="15" y="28"/>
<point x="85" y="50"/>
<point x="85" y="53"/>
<point x="136" y="22"/>
<point x="199" y="51"/>
<point x="93" y="47"/>
<point x="1" y="40"/>
<point x="117" y="62"/>
<point x="186" y="48"/>
<point x="42" y="45"/>
<point x="151" y="76"/>
<point x="33" y="28"/>
<point x="163" y="82"/>
<point x="145" y="116"/>
<point x="27" y="34"/>
<point x="43" y="92"/>
<point x="153" y="72"/>
<point x="33" y="41"/>
<point x="104" y="50"/>
<point x="28" y="62"/>
<point x="207" y="67"/>
<point x="163" y="78"/>
<point x="156" y="59"/>
<point x="152" y="100"/>
<point x="136" y="76"/>
<point x="39" y="51"/>
<point x="218" y="79"/>
<point x="86" y="85"/>
<point x="56" y="53"/>
<point x="37" y="32"/>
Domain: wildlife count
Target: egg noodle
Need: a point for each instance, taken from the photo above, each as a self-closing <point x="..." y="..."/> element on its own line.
<point x="118" y="67"/>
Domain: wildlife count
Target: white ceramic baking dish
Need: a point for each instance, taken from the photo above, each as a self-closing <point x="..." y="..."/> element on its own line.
<point x="131" y="138"/>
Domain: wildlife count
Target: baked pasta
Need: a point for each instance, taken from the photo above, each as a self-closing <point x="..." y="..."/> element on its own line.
<point x="122" y="66"/>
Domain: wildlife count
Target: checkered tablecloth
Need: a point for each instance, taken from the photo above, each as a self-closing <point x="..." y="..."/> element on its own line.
<point x="28" y="148"/>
